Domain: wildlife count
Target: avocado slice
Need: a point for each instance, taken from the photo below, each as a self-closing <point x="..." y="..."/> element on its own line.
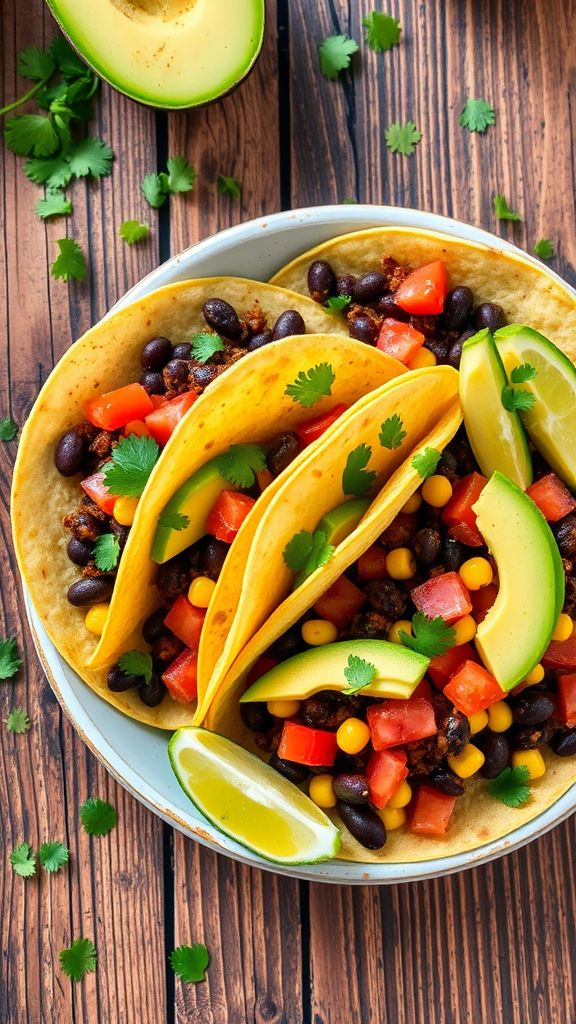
<point x="398" y="672"/>
<point x="195" y="500"/>
<point x="519" y="626"/>
<point x="340" y="521"/>
<point x="167" y="53"/>
<point x="496" y="435"/>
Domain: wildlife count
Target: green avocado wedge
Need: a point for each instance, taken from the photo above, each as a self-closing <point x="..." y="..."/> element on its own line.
<point x="496" y="434"/>
<point x="551" y="422"/>
<point x="249" y="801"/>
<point x="340" y="521"/>
<point x="194" y="501"/>
<point x="519" y="626"/>
<point x="398" y="670"/>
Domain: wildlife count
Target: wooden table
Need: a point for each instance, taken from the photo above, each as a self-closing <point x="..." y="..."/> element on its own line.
<point x="494" y="945"/>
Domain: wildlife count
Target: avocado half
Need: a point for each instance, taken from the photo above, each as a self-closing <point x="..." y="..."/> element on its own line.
<point x="166" y="53"/>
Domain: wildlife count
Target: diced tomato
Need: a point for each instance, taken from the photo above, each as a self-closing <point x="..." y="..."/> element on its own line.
<point x="96" y="489"/>
<point x="311" y="430"/>
<point x="432" y="811"/>
<point x="552" y="497"/>
<point x="458" y="514"/>
<point x="228" y="514"/>
<point x="181" y="677"/>
<point x="472" y="688"/>
<point x="158" y="401"/>
<point x="443" y="666"/>
<point x="483" y="599"/>
<point x="567" y="699"/>
<point x="163" y="421"/>
<point x="116" y="408"/>
<point x="443" y="595"/>
<point x="423" y="690"/>
<point x="399" y="340"/>
<point x="561" y="653"/>
<point x="260" y="668"/>
<point x="424" y="291"/>
<point x="264" y="478"/>
<point x="314" y="747"/>
<point x="340" y="603"/>
<point x="137" y="427"/>
<point x="372" y="564"/>
<point x="186" y="621"/>
<point x="385" y="771"/>
<point x="394" y="722"/>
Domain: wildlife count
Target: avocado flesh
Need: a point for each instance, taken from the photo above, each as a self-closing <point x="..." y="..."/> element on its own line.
<point x="195" y="499"/>
<point x="340" y="521"/>
<point x="398" y="672"/>
<point x="168" y="53"/>
<point x="519" y="626"/>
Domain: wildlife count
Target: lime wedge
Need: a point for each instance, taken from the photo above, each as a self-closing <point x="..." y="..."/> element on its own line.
<point x="551" y="422"/>
<point x="249" y="801"/>
<point x="496" y="435"/>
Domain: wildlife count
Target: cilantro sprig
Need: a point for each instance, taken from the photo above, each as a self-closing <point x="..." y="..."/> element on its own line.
<point x="429" y="636"/>
<point x="180" y="176"/>
<point x="54" y="204"/>
<point x="356" y="479"/>
<point x="229" y="186"/>
<point x="136" y="663"/>
<point x="524" y="372"/>
<point x="502" y="210"/>
<point x="18" y="721"/>
<point x="206" y="345"/>
<point x="10" y="660"/>
<point x="53" y="855"/>
<point x="8" y="429"/>
<point x="173" y="520"/>
<point x="312" y="385"/>
<point x="78" y="959"/>
<point x="335" y="54"/>
<point x="359" y="673"/>
<point x="511" y="786"/>
<point x="98" y="817"/>
<point x="382" y="31"/>
<point x="106" y="552"/>
<point x="190" y="962"/>
<point x="132" y="462"/>
<point x="425" y="462"/>
<point x="132" y="231"/>
<point x="306" y="552"/>
<point x="240" y="464"/>
<point x="392" y="432"/>
<point x="517" y="400"/>
<point x="338" y="303"/>
<point x="23" y="860"/>
<point x="544" y="249"/>
<point x="402" y="138"/>
<point x="477" y="115"/>
<point x="70" y="261"/>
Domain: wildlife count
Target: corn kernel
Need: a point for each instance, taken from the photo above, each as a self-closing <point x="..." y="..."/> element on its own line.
<point x="96" y="618"/>
<point x="564" y="627"/>
<point x="423" y="357"/>
<point x="437" y="490"/>
<point x="124" y="510"/>
<point x="413" y="503"/>
<point x="465" y="630"/>
<point x="468" y="762"/>
<point x="400" y="564"/>
<point x="536" y="675"/>
<point x="321" y="792"/>
<point x="353" y="735"/>
<point x="402" y="796"/>
<point x="476" y="573"/>
<point x="532" y="760"/>
<point x="500" y="716"/>
<point x="403" y="625"/>
<point x="318" y="632"/>
<point x="478" y="722"/>
<point x="283" y="708"/>
<point x="393" y="817"/>
<point x="200" y="591"/>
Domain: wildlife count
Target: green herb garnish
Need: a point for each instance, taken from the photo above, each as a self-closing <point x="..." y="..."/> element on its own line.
<point x="23" y="860"/>
<point x="382" y="31"/>
<point x="10" y="660"/>
<point x="515" y="400"/>
<point x="229" y="186"/>
<point x="53" y="856"/>
<point x="335" y="53"/>
<point x="98" y="816"/>
<point x="132" y="231"/>
<point x="359" y="674"/>
<point x="79" y="959"/>
<point x="425" y="462"/>
<point x="392" y="433"/>
<point x="190" y="962"/>
<point x="106" y="552"/>
<point x="511" y="786"/>
<point x="132" y="462"/>
<point x="502" y="210"/>
<point x="18" y="721"/>
<point x="205" y="345"/>
<point x="312" y="385"/>
<point x="155" y="189"/>
<point x="403" y="138"/>
<point x="180" y="178"/>
<point x="544" y="249"/>
<point x="240" y="464"/>
<point x="136" y="663"/>
<point x="70" y="261"/>
<point x="524" y="372"/>
<point x="90" y="156"/>
<point x="429" y="636"/>
<point x="338" y="303"/>
<point x="477" y="115"/>
<point x="8" y="429"/>
<point x="54" y="204"/>
<point x="356" y="479"/>
<point x="306" y="552"/>
<point x="173" y="520"/>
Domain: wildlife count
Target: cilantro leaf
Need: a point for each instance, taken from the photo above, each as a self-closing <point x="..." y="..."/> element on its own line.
<point x="476" y="115"/>
<point x="132" y="231"/>
<point x="90" y="156"/>
<point x="544" y="249"/>
<point x="335" y="53"/>
<point x="155" y="189"/>
<point x="425" y="462"/>
<point x="54" y="204"/>
<point x="23" y="860"/>
<point x="70" y="261"/>
<point x="136" y="663"/>
<point x="10" y="660"/>
<point x="515" y="400"/>
<point x="429" y="636"/>
<point x="181" y="174"/>
<point x="356" y="479"/>
<point x="8" y="429"/>
<point x="502" y="210"/>
<point x="35" y="64"/>
<point x="53" y="856"/>
<point x="402" y="138"/>
<point x="106" y="552"/>
<point x="173" y="520"/>
<point x="229" y="187"/>
<point x="31" y="135"/>
<point x="312" y="385"/>
<point x="511" y="786"/>
<point x="205" y="345"/>
<point x="240" y="464"/>
<point x="359" y="674"/>
<point x="78" y="959"/>
<point x="98" y="816"/>
<point x="306" y="552"/>
<point x="524" y="372"/>
<point x="54" y="172"/>
<point x="132" y="462"/>
<point x="391" y="432"/>
<point x="190" y="962"/>
<point x="18" y="721"/>
<point x="338" y="303"/>
<point x="383" y="31"/>
<point x="67" y="60"/>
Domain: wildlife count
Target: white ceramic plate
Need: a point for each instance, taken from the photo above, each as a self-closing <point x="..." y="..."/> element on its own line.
<point x="136" y="755"/>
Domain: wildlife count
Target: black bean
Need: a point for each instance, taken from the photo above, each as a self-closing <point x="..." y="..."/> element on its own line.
<point x="202" y="376"/>
<point x="152" y="694"/>
<point x="154" y="628"/>
<point x="222" y="317"/>
<point x="369" y="287"/>
<point x="387" y="597"/>
<point x="175" y="374"/>
<point x="153" y="383"/>
<point x="256" y="717"/>
<point x="353" y="789"/>
<point x="427" y="544"/>
<point x="321" y="281"/>
<point x="259" y="340"/>
<point x="118" y="681"/>
<point x="366" y="827"/>
<point x="289" y="644"/>
<point x="496" y="750"/>
<point x="388" y="308"/>
<point x="455" y="350"/>
<point x="121" y="532"/>
<point x="182" y="351"/>
<point x="529" y="737"/>
<point x="289" y="323"/>
<point x="457" y="308"/>
<point x="444" y="779"/>
<point x="156" y="354"/>
<point x="345" y="285"/>
<point x="452" y="554"/>
<point x="490" y="315"/>
<point x="212" y="558"/>
<point x="292" y="771"/>
<point x="564" y="743"/>
<point x="454" y="732"/>
<point x="533" y="708"/>
<point x="448" y="467"/>
<point x="439" y="347"/>
<point x="283" y="450"/>
<point x="565" y="533"/>
<point x="362" y="327"/>
<point x="79" y="551"/>
<point x="90" y="590"/>
<point x="69" y="453"/>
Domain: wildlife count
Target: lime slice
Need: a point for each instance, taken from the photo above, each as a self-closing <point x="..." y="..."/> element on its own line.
<point x="551" y="422"/>
<point x="496" y="435"/>
<point x="249" y="801"/>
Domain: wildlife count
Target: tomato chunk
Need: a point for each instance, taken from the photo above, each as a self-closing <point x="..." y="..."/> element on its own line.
<point x="181" y="677"/>
<point x="385" y="771"/>
<point x="443" y="666"/>
<point x="311" y="430"/>
<point x="96" y="489"/>
<point x="424" y="290"/>
<point x="372" y="564"/>
<point x="432" y="812"/>
<point x="314" y="747"/>
<point x="340" y="603"/>
<point x="116" y="408"/>
<point x="552" y="497"/>
<point x="400" y="340"/>
<point x="186" y="621"/>
<point x="423" y="690"/>
<point x="458" y="514"/>
<point x="394" y="722"/>
<point x="162" y="422"/>
<point x="567" y="699"/>
<point x="137" y="427"/>
<point x="228" y="514"/>
<point x="443" y="595"/>
<point x="472" y="688"/>
<point x="561" y="653"/>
